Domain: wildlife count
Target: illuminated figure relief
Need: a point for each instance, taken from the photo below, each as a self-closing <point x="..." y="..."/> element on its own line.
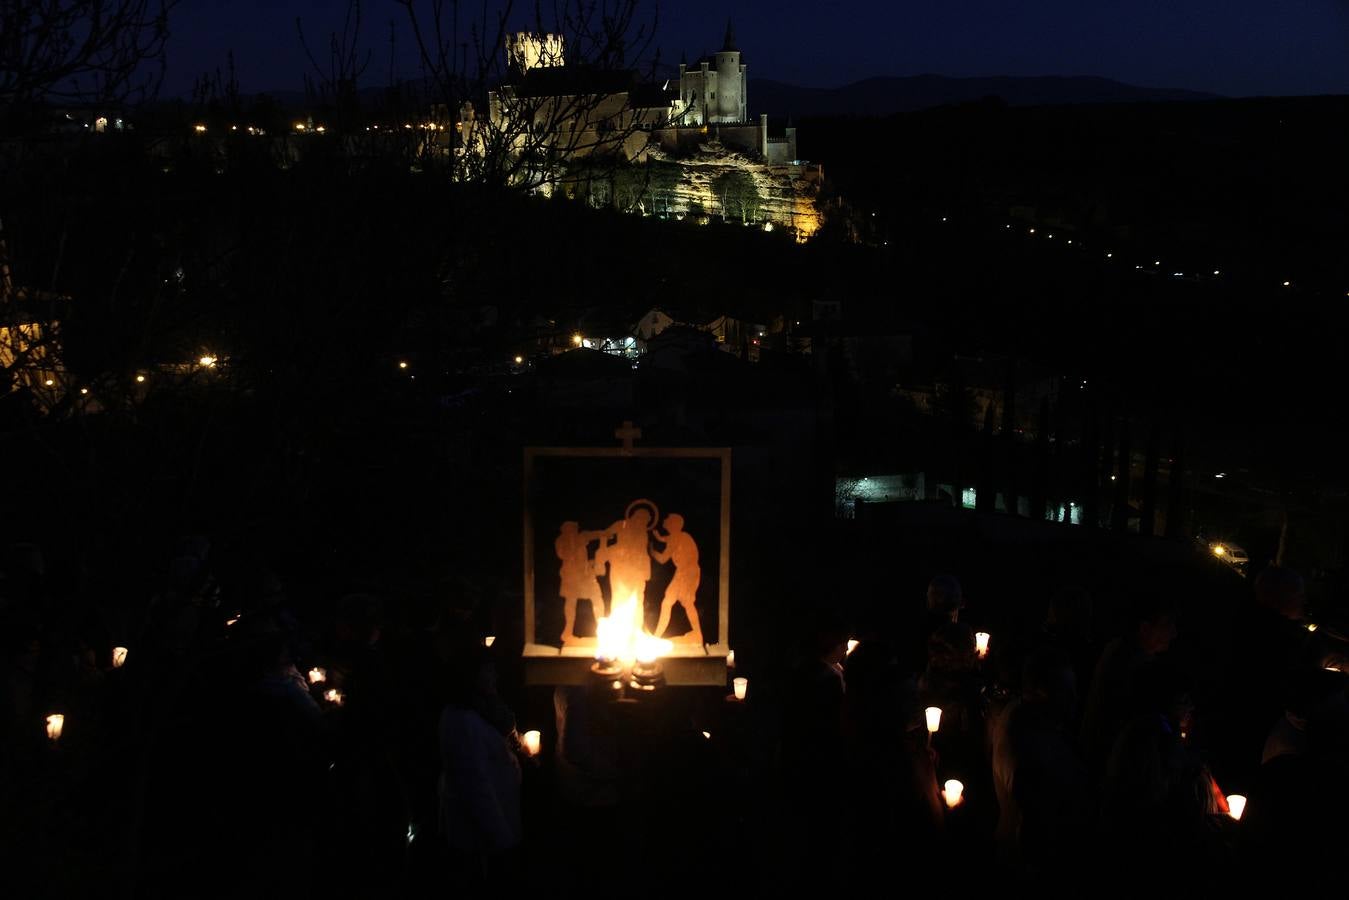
<point x="625" y="552"/>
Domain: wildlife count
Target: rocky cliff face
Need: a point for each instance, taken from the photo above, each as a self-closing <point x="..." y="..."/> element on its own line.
<point x="786" y="193"/>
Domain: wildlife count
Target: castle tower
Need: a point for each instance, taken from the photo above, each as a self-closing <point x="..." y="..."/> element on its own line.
<point x="730" y="105"/>
<point x="525" y="51"/>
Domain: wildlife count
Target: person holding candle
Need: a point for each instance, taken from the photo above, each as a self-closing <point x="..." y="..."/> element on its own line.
<point x="1115" y="687"/>
<point x="480" y="776"/>
<point x="814" y="743"/>
<point x="1040" y="782"/>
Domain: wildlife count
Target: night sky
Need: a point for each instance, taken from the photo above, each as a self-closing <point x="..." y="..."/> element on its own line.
<point x="1233" y="47"/>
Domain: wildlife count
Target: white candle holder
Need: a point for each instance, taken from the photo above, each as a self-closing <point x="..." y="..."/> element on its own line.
<point x="953" y="793"/>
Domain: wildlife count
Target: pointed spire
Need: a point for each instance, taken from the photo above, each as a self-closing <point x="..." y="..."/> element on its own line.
<point x="730" y="35"/>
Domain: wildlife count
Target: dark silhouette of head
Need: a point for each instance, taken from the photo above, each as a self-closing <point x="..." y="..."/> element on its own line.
<point x="945" y="597"/>
<point x="1153" y="615"/>
<point x="1282" y="591"/>
<point x="1048" y="681"/>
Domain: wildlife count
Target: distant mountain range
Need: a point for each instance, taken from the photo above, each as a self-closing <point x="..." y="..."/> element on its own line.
<point x="886" y="96"/>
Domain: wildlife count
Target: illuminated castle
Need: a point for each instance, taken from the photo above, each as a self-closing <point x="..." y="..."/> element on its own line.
<point x="716" y="90"/>
<point x="555" y="117"/>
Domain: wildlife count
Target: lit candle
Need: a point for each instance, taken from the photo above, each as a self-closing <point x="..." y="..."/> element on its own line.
<point x="741" y="687"/>
<point x="118" y="657"/>
<point x="852" y="645"/>
<point x="981" y="643"/>
<point x="489" y="640"/>
<point x="55" y="723"/>
<point x="708" y="735"/>
<point x="952" y="793"/>
<point x="933" y="714"/>
<point x="334" y="696"/>
<point x="730" y="660"/>
<point x="1236" y="805"/>
<point x="318" y="675"/>
<point x="533" y="741"/>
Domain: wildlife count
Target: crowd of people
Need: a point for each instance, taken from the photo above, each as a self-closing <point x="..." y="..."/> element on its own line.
<point x="238" y="747"/>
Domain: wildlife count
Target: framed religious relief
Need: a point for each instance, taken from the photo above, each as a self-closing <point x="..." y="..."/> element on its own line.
<point x="628" y="542"/>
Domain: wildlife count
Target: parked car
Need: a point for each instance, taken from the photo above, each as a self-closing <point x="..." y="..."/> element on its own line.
<point x="1229" y="553"/>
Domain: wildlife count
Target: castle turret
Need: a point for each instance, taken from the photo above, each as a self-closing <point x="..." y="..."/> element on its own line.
<point x="730" y="104"/>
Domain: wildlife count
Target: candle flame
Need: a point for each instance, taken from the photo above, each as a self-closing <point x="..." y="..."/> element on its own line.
<point x="1236" y="805"/>
<point x="933" y="715"/>
<point x="953" y="793"/>
<point x="318" y="675"/>
<point x="981" y="643"/>
<point x="620" y="636"/>
<point x="118" y="657"/>
<point x="55" y="723"/>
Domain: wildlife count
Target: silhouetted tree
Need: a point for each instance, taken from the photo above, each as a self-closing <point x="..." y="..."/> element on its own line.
<point x="1147" y="524"/>
<point x="1040" y="476"/>
<point x="528" y="132"/>
<point x="86" y="51"/>
<point x="1119" y="517"/>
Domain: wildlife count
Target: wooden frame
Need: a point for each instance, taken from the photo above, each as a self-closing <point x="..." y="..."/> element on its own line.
<point x="687" y="664"/>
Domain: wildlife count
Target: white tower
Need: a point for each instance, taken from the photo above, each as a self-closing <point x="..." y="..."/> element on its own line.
<point x="730" y="104"/>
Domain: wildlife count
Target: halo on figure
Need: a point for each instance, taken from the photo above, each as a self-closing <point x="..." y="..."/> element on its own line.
<point x="655" y="512"/>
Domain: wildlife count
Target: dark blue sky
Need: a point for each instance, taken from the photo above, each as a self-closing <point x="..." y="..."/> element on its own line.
<point x="1235" y="47"/>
